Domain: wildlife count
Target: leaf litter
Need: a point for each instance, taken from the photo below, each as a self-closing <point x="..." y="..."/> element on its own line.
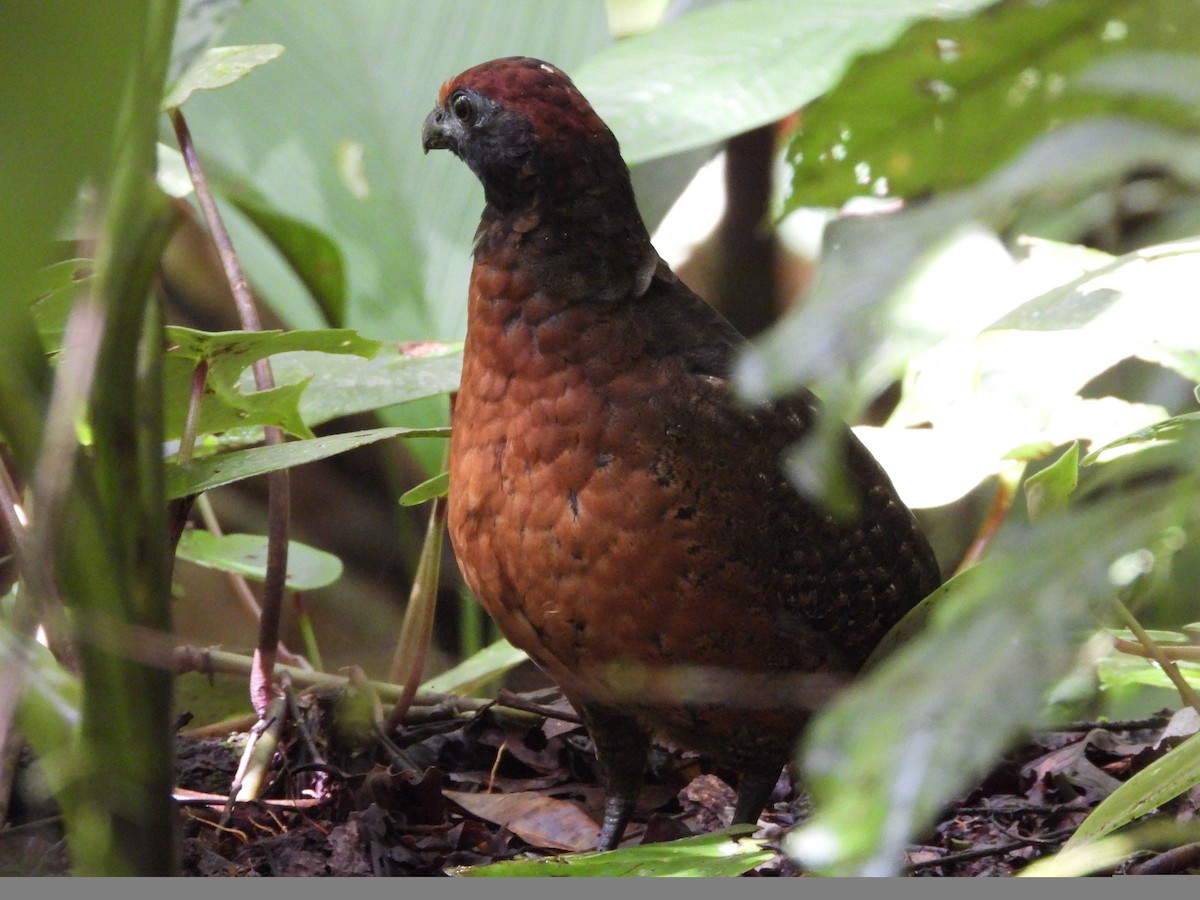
<point x="496" y="787"/>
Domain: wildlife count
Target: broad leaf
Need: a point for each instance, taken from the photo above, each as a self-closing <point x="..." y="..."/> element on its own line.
<point x="879" y="299"/>
<point x="56" y="290"/>
<point x="346" y="385"/>
<point x="246" y="554"/>
<point x="725" y="69"/>
<point x="952" y="100"/>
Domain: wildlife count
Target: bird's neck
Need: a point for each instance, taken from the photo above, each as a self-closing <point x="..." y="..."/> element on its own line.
<point x="579" y="252"/>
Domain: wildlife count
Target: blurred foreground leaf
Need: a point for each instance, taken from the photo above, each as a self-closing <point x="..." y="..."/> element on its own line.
<point x="1163" y="780"/>
<point x="891" y="751"/>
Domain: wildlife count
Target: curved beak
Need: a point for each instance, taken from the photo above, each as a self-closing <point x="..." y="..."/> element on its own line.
<point x="434" y="135"/>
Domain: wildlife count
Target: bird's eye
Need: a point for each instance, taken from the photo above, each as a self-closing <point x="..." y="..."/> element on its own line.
<point x="463" y="108"/>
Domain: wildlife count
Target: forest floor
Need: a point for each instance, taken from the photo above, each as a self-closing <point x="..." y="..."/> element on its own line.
<point x="498" y="786"/>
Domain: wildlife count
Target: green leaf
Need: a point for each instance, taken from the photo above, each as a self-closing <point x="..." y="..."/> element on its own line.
<point x="1172" y="429"/>
<point x="730" y="67"/>
<point x="426" y="490"/>
<point x="1163" y="780"/>
<point x="47" y="715"/>
<point x="721" y="854"/>
<point x="218" y="67"/>
<point x="345" y="385"/>
<point x="953" y="100"/>
<point x="488" y="664"/>
<point x="228" y="354"/>
<point x="1108" y="852"/>
<point x="1049" y="489"/>
<point x="1123" y="670"/>
<point x="56" y="290"/>
<point x="313" y="256"/>
<point x="227" y="468"/>
<point x="246" y="554"/>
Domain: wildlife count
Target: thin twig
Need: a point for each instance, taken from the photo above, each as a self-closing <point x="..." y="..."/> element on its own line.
<point x="1185" y="653"/>
<point x="1169" y="862"/>
<point x="513" y="701"/>
<point x="1118" y="724"/>
<point x="1186" y="691"/>
<point x="278" y="492"/>
<point x="241" y="588"/>
<point x="187" y="442"/>
<point x="1018" y="810"/>
<point x="984" y="852"/>
<point x="1002" y="502"/>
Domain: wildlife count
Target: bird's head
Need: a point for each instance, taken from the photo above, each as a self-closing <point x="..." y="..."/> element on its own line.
<point x="521" y="125"/>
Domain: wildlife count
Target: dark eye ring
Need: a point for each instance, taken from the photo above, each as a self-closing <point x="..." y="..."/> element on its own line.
<point x="463" y="108"/>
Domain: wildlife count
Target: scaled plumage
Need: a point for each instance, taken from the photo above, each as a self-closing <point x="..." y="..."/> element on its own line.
<point x="612" y="506"/>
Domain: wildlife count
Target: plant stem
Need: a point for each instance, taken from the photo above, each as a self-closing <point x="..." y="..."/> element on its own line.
<point x="278" y="492"/>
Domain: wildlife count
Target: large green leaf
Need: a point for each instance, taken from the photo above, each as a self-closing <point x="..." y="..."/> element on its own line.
<point x="952" y="100"/>
<point x="56" y="290"/>
<point x="719" y="71"/>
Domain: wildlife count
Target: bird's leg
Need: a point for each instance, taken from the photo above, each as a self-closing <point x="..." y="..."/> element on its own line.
<point x="754" y="790"/>
<point x="622" y="746"/>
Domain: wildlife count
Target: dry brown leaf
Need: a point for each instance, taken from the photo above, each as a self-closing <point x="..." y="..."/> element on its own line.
<point x="541" y="821"/>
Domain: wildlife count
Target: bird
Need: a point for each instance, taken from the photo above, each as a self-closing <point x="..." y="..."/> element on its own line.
<point x="616" y="509"/>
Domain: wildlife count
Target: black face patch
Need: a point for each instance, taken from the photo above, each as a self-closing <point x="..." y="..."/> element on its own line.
<point x="497" y="144"/>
